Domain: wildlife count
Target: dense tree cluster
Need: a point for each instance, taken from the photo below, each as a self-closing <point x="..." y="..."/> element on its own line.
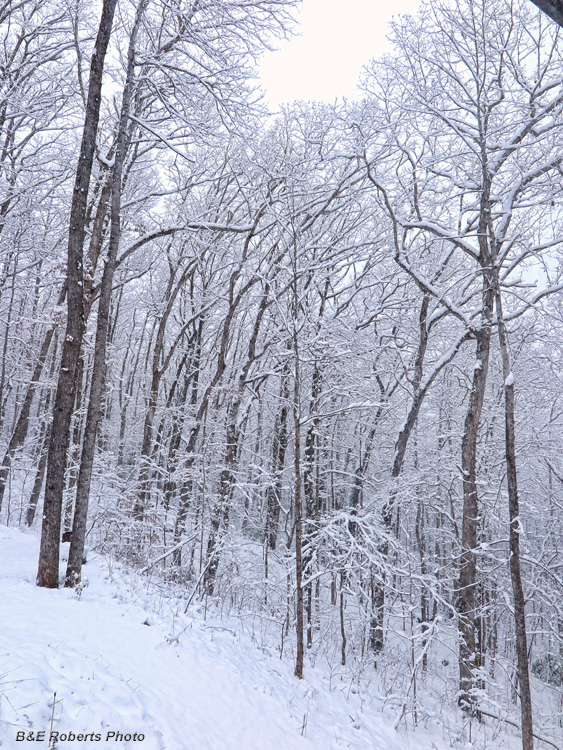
<point x="307" y="367"/>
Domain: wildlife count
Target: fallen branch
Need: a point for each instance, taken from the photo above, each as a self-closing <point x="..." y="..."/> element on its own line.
<point x="169" y="552"/>
<point x="515" y="724"/>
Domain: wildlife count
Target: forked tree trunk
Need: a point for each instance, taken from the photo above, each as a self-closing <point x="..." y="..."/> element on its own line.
<point x="48" y="568"/>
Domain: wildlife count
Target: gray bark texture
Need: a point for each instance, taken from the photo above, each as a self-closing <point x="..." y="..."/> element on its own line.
<point x="515" y="530"/>
<point x="48" y="568"/>
<point x="76" y="554"/>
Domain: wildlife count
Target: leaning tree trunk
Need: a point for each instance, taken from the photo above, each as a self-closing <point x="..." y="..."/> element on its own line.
<point x="76" y="554"/>
<point x="43" y="447"/>
<point x="21" y="427"/>
<point x="48" y="568"/>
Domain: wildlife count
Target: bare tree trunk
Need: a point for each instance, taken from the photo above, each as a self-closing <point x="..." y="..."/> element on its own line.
<point x="48" y="568"/>
<point x="76" y="554"/>
<point x="515" y="530"/>
<point x="220" y="516"/>
<point x="377" y="586"/>
<point x="310" y="493"/>
<point x="279" y="449"/>
<point x="127" y="394"/>
<point x="299" y="622"/>
<point x="76" y="434"/>
<point x="158" y="370"/>
<point x="177" y="398"/>
<point x="470" y="518"/>
<point x="43" y="444"/>
<point x="420" y="389"/>
<point x="39" y="477"/>
<point x="186" y="492"/>
<point x="234" y="301"/>
<point x="420" y="529"/>
<point x="3" y="396"/>
<point x="21" y="427"/>
<point x="297" y="502"/>
<point x="342" y="622"/>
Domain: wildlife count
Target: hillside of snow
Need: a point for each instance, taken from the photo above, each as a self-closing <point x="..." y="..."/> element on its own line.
<point x="125" y="664"/>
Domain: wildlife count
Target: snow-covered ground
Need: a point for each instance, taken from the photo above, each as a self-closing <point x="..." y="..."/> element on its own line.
<point x="121" y="663"/>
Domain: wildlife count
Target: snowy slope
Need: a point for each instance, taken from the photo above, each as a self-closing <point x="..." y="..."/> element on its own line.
<point x="207" y="688"/>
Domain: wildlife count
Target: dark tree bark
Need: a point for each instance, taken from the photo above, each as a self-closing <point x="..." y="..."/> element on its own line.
<point x="377" y="588"/>
<point x="311" y="490"/>
<point x="279" y="449"/>
<point x="48" y="568"/>
<point x="515" y="530"/>
<point x="76" y="554"/>
<point x="470" y="520"/>
<point x="553" y="8"/>
<point x="299" y="622"/>
<point x="468" y="660"/>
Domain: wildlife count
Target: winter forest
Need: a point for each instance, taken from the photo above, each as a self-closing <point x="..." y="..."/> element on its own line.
<point x="303" y="369"/>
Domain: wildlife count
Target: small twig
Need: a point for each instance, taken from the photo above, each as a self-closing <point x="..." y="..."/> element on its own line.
<point x="52" y="717"/>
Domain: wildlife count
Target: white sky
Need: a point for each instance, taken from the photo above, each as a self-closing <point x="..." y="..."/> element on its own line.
<point x="337" y="39"/>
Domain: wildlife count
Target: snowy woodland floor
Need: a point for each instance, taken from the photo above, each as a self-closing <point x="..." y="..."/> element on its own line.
<point x="124" y="660"/>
